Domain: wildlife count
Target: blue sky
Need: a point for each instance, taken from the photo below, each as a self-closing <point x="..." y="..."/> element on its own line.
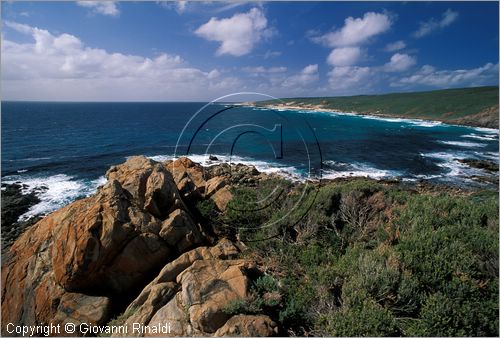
<point x="183" y="51"/>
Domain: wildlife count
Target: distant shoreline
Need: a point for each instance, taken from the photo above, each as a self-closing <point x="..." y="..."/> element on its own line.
<point x="319" y="108"/>
<point x="471" y="107"/>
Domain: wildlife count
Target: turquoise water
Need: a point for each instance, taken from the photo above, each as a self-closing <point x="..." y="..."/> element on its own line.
<point x="67" y="147"/>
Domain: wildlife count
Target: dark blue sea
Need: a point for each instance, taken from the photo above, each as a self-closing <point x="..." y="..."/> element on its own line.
<point x="67" y="147"/>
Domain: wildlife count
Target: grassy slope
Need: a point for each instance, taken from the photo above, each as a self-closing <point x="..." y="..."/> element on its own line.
<point x="450" y="105"/>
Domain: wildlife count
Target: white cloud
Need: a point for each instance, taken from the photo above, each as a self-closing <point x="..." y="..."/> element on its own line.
<point x="62" y="67"/>
<point x="101" y="7"/>
<point x="264" y="70"/>
<point x="350" y="79"/>
<point x="237" y="34"/>
<point x="432" y="24"/>
<point x="399" y="63"/>
<point x="304" y="78"/>
<point x="344" y="56"/>
<point x="356" y="30"/>
<point x="180" y="6"/>
<point x="395" y="46"/>
<point x="429" y="76"/>
<point x="271" y="54"/>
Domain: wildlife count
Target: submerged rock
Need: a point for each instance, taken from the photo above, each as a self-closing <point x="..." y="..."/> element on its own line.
<point x="480" y="164"/>
<point x="14" y="204"/>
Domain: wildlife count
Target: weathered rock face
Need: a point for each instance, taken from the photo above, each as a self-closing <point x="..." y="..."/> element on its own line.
<point x="78" y="308"/>
<point x="221" y="198"/>
<point x="208" y="287"/>
<point x="189" y="178"/>
<point x="106" y="243"/>
<point x="192" y="292"/>
<point x="179" y="231"/>
<point x="248" y="326"/>
<point x="73" y="265"/>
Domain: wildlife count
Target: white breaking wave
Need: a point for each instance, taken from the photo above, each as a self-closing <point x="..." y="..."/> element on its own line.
<point x="53" y="191"/>
<point x="415" y="122"/>
<point x="490" y="155"/>
<point x="261" y="166"/>
<point x="452" y="167"/>
<point x="487" y="137"/>
<point x="486" y="130"/>
<point x="357" y="170"/>
<point x="464" y="144"/>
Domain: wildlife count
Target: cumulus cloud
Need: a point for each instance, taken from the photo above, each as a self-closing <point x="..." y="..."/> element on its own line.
<point x="430" y="76"/>
<point x="395" y="46"/>
<point x="180" y="6"/>
<point x="238" y="34"/>
<point x="427" y="27"/>
<point x="305" y="77"/>
<point x="399" y="63"/>
<point x="100" y="7"/>
<point x="356" y="30"/>
<point x="62" y="67"/>
<point x="344" y="56"/>
<point x="350" y="79"/>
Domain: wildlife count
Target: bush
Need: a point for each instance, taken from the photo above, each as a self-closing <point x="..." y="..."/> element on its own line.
<point x="368" y="319"/>
<point x="372" y="259"/>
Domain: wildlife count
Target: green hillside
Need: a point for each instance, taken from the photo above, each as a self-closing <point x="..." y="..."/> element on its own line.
<point x="472" y="106"/>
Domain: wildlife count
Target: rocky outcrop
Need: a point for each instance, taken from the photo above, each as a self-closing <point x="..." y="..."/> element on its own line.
<point x="191" y="292"/>
<point x="207" y="288"/>
<point x="189" y="177"/>
<point x="97" y="244"/>
<point x="79" y="263"/>
<point x="14" y="204"/>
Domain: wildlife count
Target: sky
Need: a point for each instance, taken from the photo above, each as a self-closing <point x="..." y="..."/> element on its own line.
<point x="199" y="51"/>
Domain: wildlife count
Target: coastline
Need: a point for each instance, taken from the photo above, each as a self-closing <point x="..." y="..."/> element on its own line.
<point x="375" y="115"/>
<point x="243" y="267"/>
<point x="242" y="167"/>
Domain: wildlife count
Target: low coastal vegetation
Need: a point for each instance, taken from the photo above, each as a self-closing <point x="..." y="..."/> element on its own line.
<point x="228" y="251"/>
<point x="468" y="106"/>
<point x="369" y="258"/>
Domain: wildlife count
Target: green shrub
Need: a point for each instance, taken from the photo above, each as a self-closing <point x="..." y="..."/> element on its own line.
<point x="430" y="267"/>
<point x="368" y="319"/>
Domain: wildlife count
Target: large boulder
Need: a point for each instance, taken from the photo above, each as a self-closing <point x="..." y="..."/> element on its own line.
<point x="209" y="286"/>
<point x="208" y="280"/>
<point x="213" y="185"/>
<point x="190" y="178"/>
<point x="222" y="197"/>
<point x="163" y="288"/>
<point x="103" y="245"/>
<point x="180" y="231"/>
<point x="248" y="326"/>
<point x="149" y="183"/>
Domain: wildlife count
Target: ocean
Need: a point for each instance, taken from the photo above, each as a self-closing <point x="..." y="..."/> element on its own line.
<point x="67" y="147"/>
